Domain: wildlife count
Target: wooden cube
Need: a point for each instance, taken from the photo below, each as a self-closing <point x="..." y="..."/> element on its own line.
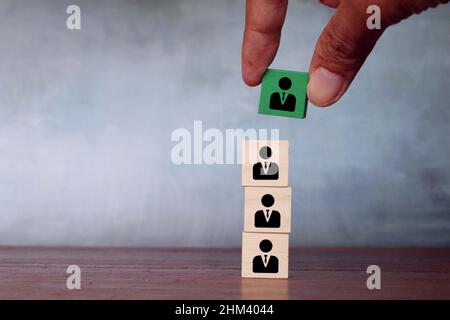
<point x="265" y="255"/>
<point x="256" y="289"/>
<point x="265" y="163"/>
<point x="267" y="209"/>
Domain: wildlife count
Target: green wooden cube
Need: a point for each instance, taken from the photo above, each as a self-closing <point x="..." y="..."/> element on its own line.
<point x="283" y="93"/>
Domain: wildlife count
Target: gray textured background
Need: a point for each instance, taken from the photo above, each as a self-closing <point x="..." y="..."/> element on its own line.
<point x="86" y="118"/>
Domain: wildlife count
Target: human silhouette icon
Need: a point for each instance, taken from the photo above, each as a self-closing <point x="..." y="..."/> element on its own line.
<point x="267" y="218"/>
<point x="283" y="100"/>
<point x="265" y="170"/>
<point x="265" y="263"/>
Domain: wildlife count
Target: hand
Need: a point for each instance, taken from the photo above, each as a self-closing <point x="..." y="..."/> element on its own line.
<point x="340" y="51"/>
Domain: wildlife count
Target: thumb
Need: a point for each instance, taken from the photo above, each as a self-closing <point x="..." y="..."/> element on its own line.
<point x="346" y="42"/>
<point x="340" y="52"/>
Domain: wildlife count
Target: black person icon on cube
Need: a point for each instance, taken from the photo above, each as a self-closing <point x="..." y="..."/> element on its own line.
<point x="265" y="263"/>
<point x="265" y="255"/>
<point x="283" y="93"/>
<point x="267" y="218"/>
<point x="283" y="100"/>
<point x="265" y="170"/>
<point x="267" y="209"/>
<point x="265" y="163"/>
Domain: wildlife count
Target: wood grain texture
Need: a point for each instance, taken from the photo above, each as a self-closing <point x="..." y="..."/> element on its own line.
<point x="171" y="273"/>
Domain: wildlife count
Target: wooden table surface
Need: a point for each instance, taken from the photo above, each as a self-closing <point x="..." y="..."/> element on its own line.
<point x="185" y="273"/>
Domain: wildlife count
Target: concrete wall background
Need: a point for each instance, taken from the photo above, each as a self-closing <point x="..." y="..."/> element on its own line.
<point x="86" y="119"/>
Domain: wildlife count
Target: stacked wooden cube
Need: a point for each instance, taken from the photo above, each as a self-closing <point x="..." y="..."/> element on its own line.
<point x="267" y="216"/>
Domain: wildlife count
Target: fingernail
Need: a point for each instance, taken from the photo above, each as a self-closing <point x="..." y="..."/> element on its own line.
<point x="324" y="87"/>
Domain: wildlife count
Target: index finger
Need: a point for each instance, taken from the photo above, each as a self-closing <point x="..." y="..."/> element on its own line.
<point x="263" y="23"/>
